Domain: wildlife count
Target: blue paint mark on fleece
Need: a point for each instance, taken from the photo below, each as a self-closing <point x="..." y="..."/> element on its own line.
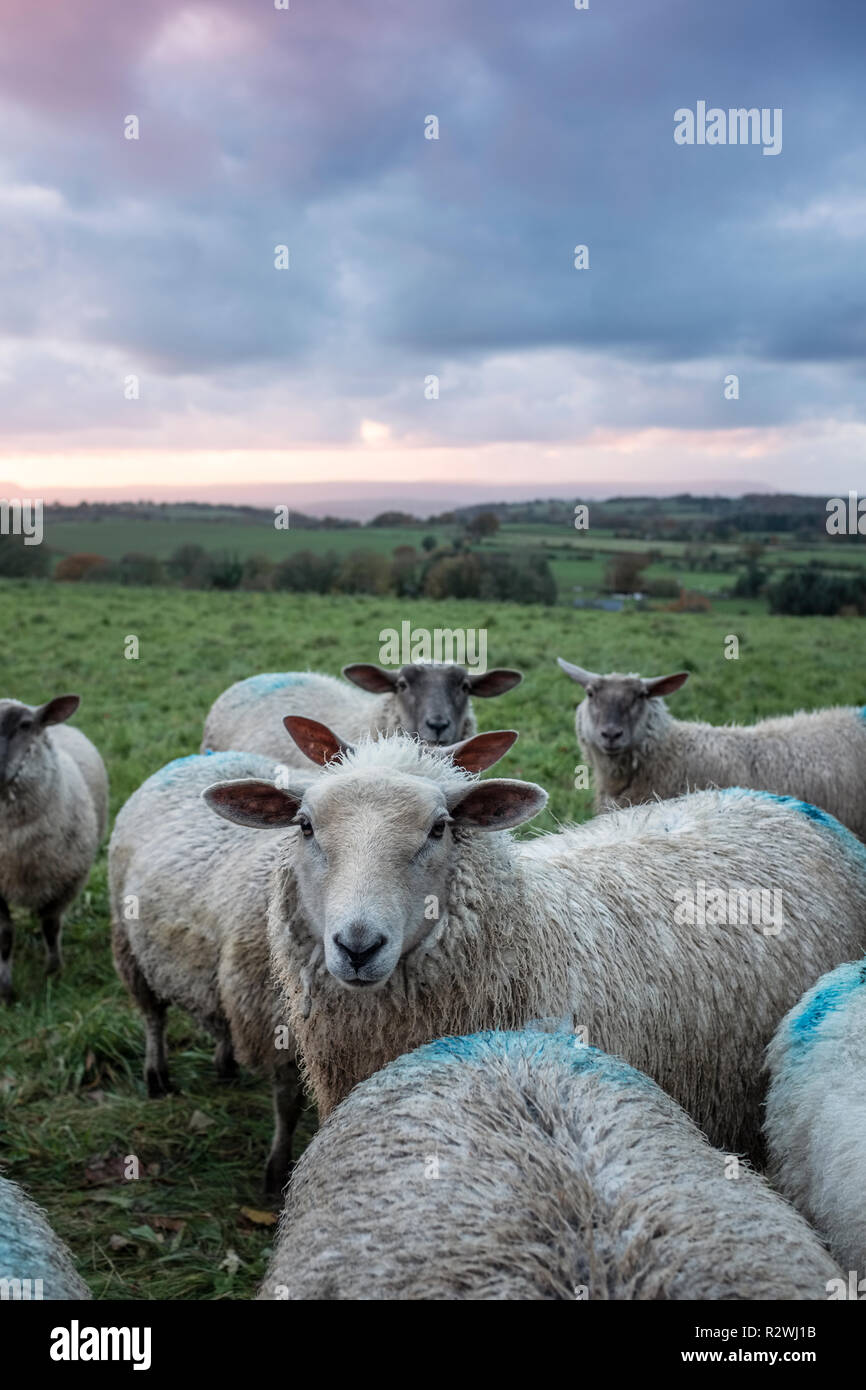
<point x="530" y="1044"/>
<point x="219" y="765"/>
<point x="849" y="840"/>
<point x="863" y="712"/>
<point x="275" y="680"/>
<point x="828" y="997"/>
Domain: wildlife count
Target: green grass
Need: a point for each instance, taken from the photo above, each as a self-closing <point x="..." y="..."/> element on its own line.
<point x="72" y="1102"/>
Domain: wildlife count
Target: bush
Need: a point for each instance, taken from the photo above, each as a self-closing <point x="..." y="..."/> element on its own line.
<point x="186" y="560"/>
<point x="520" y="578"/>
<point x="141" y="569"/>
<point x="750" y="583"/>
<point x="815" y="592"/>
<point x="690" y="601"/>
<point x="363" y="572"/>
<point x="660" y="588"/>
<point x="305" y="572"/>
<point x="20" y="561"/>
<point x="72" y="568"/>
<point x="259" y="572"/>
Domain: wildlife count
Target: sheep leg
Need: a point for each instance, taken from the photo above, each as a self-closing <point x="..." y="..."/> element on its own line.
<point x="7" y="937"/>
<point x="224" y="1060"/>
<point x="152" y="1007"/>
<point x="288" y="1099"/>
<point x="51" y="922"/>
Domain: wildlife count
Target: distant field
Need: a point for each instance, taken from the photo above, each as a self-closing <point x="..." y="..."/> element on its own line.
<point x="72" y="1102"/>
<point x="577" y="559"/>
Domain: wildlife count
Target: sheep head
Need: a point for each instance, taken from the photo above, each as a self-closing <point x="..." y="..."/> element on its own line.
<point x="376" y="840"/>
<point x="432" y="699"/>
<point x="614" y="716"/>
<point x="21" y="726"/>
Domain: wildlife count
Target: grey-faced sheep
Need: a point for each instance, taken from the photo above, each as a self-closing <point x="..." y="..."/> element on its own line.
<point x="816" y="1111"/>
<point x="675" y="934"/>
<point x="34" y="1264"/>
<point x="638" y="751"/>
<point x="430" y="700"/>
<point x="189" y="913"/>
<point x="53" y="810"/>
<point x="516" y="1166"/>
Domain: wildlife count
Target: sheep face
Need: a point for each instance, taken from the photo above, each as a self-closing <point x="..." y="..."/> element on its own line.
<point x="22" y="727"/>
<point x="614" y="716"/>
<point x="376" y="844"/>
<point x="432" y="699"/>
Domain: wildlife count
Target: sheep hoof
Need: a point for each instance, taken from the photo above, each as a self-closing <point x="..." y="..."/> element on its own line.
<point x="53" y="965"/>
<point x="158" y="1084"/>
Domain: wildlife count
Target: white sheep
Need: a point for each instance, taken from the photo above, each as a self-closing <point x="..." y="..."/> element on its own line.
<point x="816" y="1112"/>
<point x="53" y="811"/>
<point x="637" y="750"/>
<point x="428" y="699"/>
<point x="34" y="1264"/>
<point x="189" y="912"/>
<point x="396" y="918"/>
<point x="514" y="1166"/>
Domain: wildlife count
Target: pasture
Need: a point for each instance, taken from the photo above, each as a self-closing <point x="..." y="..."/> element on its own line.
<point x="72" y="1101"/>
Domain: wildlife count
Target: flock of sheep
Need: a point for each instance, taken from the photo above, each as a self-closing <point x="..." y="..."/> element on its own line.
<point x="539" y="1064"/>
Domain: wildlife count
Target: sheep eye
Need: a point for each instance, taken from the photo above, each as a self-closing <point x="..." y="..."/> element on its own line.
<point x="25" y="724"/>
<point x="402" y="685"/>
<point x="305" y="826"/>
<point x="589" y="694"/>
<point x="437" y="830"/>
<point x="467" y="687"/>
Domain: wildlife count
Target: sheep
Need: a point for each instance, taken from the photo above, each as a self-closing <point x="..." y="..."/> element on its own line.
<point x="53" y="813"/>
<point x="396" y="918"/>
<point x="188" y="928"/>
<point x="429" y="699"/>
<point x="816" y="1111"/>
<point x="638" y="751"/>
<point x="34" y="1264"/>
<point x="523" y="1165"/>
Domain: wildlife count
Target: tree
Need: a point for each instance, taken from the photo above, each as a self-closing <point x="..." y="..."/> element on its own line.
<point x="624" y="570"/>
<point x="483" y="525"/>
<point x="429" y="543"/>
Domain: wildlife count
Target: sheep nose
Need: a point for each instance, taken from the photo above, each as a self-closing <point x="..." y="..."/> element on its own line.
<point x="355" y="953"/>
<point x="438" y="725"/>
<point x="611" y="733"/>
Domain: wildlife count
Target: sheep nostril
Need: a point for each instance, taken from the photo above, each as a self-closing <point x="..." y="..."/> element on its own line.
<point x="355" y="957"/>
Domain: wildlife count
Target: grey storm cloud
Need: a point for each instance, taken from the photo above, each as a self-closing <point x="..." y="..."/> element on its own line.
<point x="306" y="127"/>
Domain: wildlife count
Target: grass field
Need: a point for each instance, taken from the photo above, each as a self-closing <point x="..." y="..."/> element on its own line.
<point x="72" y="1102"/>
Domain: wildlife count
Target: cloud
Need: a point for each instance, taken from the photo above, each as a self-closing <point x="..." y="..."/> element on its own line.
<point x="412" y="256"/>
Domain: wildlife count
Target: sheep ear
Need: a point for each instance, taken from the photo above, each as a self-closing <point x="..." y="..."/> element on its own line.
<point x="665" y="685"/>
<point x="499" y="803"/>
<point x="577" y="673"/>
<point x="260" y="805"/>
<point x="495" y="682"/>
<point x="316" y="741"/>
<point x="58" y="710"/>
<point x="481" y="750"/>
<point x="373" y="678"/>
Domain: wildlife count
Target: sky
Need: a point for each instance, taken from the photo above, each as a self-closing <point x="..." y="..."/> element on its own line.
<point x="413" y="258"/>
